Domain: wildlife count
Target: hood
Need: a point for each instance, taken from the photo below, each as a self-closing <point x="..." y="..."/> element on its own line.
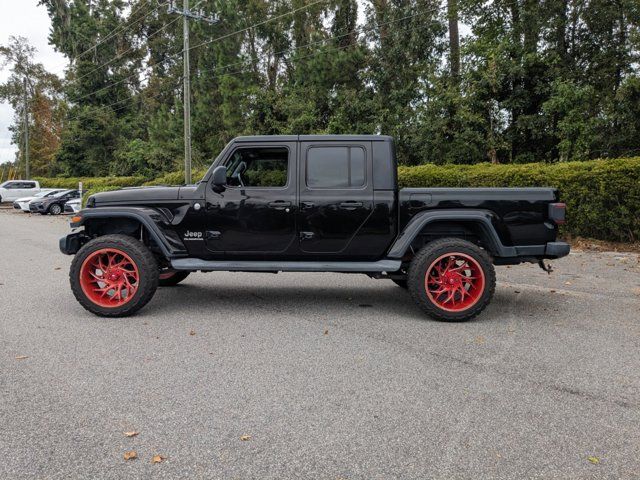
<point x="136" y="195"/>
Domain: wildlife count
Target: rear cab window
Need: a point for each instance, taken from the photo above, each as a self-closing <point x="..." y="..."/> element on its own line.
<point x="336" y="167"/>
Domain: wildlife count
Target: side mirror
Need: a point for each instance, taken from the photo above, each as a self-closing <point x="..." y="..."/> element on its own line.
<point x="219" y="178"/>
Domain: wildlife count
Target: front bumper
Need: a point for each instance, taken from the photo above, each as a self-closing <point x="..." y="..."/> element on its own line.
<point x="70" y="244"/>
<point x="71" y="208"/>
<point x="37" y="208"/>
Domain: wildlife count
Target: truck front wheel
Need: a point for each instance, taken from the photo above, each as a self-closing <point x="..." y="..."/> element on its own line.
<point x="114" y="275"/>
<point x="452" y="279"/>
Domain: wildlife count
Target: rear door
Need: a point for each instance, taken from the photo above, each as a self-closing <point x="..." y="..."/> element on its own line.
<point x="336" y="194"/>
<point x="29" y="189"/>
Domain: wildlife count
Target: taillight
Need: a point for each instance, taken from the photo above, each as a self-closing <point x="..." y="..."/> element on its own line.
<point x="557" y="212"/>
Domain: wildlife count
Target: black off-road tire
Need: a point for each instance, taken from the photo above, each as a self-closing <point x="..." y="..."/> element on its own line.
<point x="145" y="263"/>
<point x="176" y="277"/>
<point x="429" y="254"/>
<point x="401" y="282"/>
<point x="55" y="209"/>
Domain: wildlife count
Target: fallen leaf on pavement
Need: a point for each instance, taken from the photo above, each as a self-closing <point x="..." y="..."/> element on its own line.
<point x="130" y="455"/>
<point x="244" y="438"/>
<point x="21" y="357"/>
<point x="326" y="332"/>
<point x="131" y="434"/>
<point x="192" y="332"/>
<point x="594" y="460"/>
<point x="157" y="459"/>
<point x="57" y="268"/>
<point x="568" y="283"/>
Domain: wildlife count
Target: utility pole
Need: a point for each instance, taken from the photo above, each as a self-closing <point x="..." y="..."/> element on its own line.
<point x="26" y="131"/>
<point x="186" y="15"/>
<point x="186" y="96"/>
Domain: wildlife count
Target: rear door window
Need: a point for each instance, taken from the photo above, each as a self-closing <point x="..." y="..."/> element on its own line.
<point x="336" y="167"/>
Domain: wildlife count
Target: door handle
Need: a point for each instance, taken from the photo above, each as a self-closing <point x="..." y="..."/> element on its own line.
<point x="350" y="205"/>
<point x="306" y="205"/>
<point x="279" y="205"/>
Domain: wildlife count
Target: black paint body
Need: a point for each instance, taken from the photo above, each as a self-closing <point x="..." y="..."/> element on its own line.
<point x="297" y="222"/>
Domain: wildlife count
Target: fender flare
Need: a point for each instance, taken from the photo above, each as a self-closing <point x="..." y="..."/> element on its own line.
<point x="482" y="218"/>
<point x="151" y="219"/>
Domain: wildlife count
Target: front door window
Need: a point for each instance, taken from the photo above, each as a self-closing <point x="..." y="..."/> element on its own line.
<point x="258" y="167"/>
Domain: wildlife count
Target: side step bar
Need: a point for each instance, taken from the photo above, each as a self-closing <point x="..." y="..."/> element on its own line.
<point x="193" y="264"/>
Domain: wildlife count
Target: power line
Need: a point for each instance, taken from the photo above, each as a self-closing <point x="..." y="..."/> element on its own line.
<point x="335" y="37"/>
<point x="291" y="12"/>
<point x="181" y="52"/>
<point x="356" y="30"/>
<point x="120" y="55"/>
<point x="244" y="70"/>
<point x="118" y="30"/>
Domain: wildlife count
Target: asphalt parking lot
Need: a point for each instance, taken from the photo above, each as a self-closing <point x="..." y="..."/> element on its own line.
<point x="326" y="376"/>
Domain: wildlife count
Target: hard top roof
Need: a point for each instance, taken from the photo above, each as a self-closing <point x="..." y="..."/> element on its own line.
<point x="313" y="138"/>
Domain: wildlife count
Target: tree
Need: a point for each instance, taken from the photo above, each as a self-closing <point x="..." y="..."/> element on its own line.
<point x="45" y="106"/>
<point x="531" y="81"/>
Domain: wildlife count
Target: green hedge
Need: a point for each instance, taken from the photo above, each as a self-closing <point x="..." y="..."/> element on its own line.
<point x="602" y="196"/>
<point x="177" y="178"/>
<point x="89" y="183"/>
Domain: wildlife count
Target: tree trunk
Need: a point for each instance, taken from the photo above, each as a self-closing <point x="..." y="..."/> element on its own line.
<point x="454" y="41"/>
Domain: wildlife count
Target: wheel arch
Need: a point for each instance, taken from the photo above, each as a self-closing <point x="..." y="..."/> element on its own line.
<point x="470" y="222"/>
<point x="144" y="223"/>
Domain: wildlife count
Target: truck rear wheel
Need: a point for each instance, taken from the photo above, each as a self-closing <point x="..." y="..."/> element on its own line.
<point x="452" y="279"/>
<point x="114" y="276"/>
<point x="169" y="278"/>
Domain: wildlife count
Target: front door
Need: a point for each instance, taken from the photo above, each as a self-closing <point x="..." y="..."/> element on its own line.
<point x="254" y="215"/>
<point x="336" y="196"/>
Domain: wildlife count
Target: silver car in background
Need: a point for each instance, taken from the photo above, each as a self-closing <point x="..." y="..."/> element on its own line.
<point x="23" y="203"/>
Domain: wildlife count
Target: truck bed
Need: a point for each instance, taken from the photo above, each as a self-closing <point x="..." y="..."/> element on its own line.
<point x="520" y="214"/>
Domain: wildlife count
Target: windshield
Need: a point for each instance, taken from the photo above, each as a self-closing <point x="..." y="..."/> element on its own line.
<point x="60" y="194"/>
<point x="48" y="194"/>
<point x="45" y="193"/>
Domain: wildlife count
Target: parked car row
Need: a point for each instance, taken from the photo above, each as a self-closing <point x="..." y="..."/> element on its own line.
<point x="30" y="198"/>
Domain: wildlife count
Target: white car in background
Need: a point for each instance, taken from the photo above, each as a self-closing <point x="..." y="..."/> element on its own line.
<point x="13" y="189"/>
<point x="23" y="203"/>
<point x="73" y="206"/>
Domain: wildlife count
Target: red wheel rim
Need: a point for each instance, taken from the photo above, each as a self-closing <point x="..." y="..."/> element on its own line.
<point x="109" y="277"/>
<point x="454" y="282"/>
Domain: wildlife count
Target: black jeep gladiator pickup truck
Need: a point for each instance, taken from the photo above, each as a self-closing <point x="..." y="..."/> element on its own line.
<point x="307" y="203"/>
